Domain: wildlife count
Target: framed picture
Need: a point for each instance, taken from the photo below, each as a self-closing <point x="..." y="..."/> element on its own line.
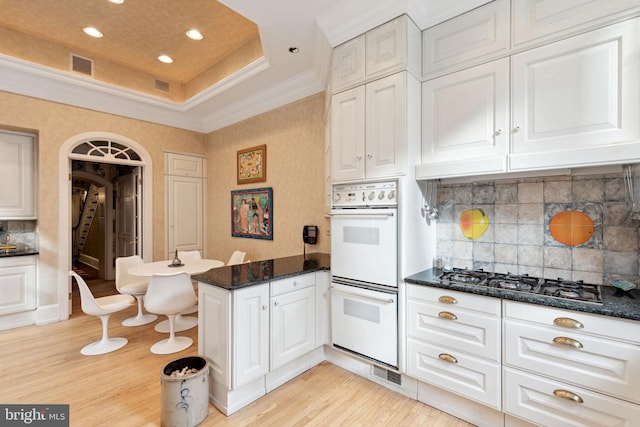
<point x="252" y="213"/>
<point x="252" y="165"/>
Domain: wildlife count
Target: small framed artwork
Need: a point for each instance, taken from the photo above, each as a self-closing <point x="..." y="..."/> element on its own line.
<point x="252" y="213"/>
<point x="252" y="165"/>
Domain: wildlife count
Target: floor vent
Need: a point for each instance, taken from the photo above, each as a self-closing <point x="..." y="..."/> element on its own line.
<point x="81" y="65"/>
<point x="162" y="86"/>
<point x="388" y="375"/>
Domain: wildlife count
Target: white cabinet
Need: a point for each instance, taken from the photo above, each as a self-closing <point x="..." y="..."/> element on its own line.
<point x="17" y="284"/>
<point x="293" y="319"/>
<point x="567" y="367"/>
<point x="536" y="21"/>
<point x="468" y="39"/>
<point x="18" y="180"/>
<point x="251" y="334"/>
<point x="453" y="342"/>
<point x="323" y="308"/>
<point x="465" y="120"/>
<point x="391" y="47"/>
<point x="259" y="337"/>
<point x="372" y="126"/>
<point x="185" y="192"/>
<point x="573" y="103"/>
<point x="576" y="102"/>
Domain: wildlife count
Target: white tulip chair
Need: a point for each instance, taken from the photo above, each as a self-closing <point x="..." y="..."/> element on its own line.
<point x="133" y="285"/>
<point x="102" y="307"/>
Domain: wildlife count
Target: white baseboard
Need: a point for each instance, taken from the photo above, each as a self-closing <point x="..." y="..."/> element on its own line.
<point x="90" y="261"/>
<point x="48" y="314"/>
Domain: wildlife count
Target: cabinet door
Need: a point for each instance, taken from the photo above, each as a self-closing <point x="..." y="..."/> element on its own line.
<point x="348" y="134"/>
<point x="184" y="165"/>
<point x="17" y="285"/>
<point x="214" y="340"/>
<point x="323" y="298"/>
<point x="576" y="102"/>
<point x="466" y="39"/>
<point x="348" y="64"/>
<point x="251" y="334"/>
<point x="386" y="126"/>
<point x="185" y="213"/>
<point x="17" y="176"/>
<point x="539" y="20"/>
<point x="386" y="48"/>
<point x="293" y="326"/>
<point x="465" y="118"/>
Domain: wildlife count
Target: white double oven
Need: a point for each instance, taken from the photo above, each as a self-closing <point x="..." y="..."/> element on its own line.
<point x="364" y="269"/>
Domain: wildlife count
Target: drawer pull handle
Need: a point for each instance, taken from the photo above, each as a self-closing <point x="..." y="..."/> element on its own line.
<point x="567" y="322"/>
<point x="447" y="358"/>
<point x="445" y="299"/>
<point x="565" y="394"/>
<point x="447" y="315"/>
<point x="567" y="341"/>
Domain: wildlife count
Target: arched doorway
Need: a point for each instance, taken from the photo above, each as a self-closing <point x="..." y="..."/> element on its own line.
<point x="107" y="148"/>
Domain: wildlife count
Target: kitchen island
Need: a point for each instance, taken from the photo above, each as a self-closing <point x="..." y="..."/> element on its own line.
<point x="260" y="324"/>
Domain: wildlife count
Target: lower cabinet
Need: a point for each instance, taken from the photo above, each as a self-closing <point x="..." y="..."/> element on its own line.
<point x="257" y="337"/>
<point x="17" y="284"/>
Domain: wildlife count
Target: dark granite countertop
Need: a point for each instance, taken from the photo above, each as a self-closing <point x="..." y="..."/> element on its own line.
<point x="19" y="251"/>
<point x="254" y="273"/>
<point x="625" y="306"/>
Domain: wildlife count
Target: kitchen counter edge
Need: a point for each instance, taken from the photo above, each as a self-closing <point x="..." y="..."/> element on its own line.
<point x="19" y="252"/>
<point x="613" y="305"/>
<point x="240" y="276"/>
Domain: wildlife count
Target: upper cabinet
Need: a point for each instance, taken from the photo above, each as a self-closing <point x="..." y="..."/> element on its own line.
<point x="548" y="102"/>
<point x="384" y="50"/>
<point x="471" y="38"/>
<point x="372" y="127"/>
<point x="576" y="102"/>
<point x="18" y="193"/>
<point x="537" y="21"/>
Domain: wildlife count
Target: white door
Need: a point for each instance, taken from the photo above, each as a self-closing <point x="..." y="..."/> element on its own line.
<point x="127" y="215"/>
<point x="185" y="213"/>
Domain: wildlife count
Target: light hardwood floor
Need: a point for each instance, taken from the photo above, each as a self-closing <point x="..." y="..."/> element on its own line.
<point x="43" y="365"/>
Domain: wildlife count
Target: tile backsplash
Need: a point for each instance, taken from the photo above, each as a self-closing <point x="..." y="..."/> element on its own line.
<point x="518" y="239"/>
<point x="21" y="232"/>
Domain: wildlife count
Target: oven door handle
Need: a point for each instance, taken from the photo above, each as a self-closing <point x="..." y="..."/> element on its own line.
<point x="382" y="300"/>
<point x="362" y="215"/>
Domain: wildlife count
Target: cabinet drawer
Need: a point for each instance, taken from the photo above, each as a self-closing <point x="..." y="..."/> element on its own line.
<point x="465" y="375"/>
<point x="478" y="334"/>
<point x="609" y="366"/>
<point x="536" y="399"/>
<point x="606" y="327"/>
<point x="283" y="286"/>
<point x="446" y="298"/>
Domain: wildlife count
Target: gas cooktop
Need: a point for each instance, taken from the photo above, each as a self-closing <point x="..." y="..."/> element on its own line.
<point x="557" y="288"/>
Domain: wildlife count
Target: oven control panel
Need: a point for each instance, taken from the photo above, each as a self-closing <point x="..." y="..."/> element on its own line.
<point x="371" y="194"/>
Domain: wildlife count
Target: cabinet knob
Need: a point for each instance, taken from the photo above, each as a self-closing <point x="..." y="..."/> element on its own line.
<point x="359" y="157"/>
<point x="565" y="394"/>
<point x="516" y="129"/>
<point x="275" y="303"/>
<point x="498" y="132"/>
<point x="447" y="358"/>
<point x="264" y="307"/>
<point x="567" y="341"/>
<point x="370" y="156"/>
<point x="568" y="322"/>
<point x="447" y="315"/>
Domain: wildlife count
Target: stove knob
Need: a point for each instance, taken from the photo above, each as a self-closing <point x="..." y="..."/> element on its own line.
<point x="392" y="195"/>
<point x="381" y="195"/>
<point x="336" y="197"/>
<point x="372" y="195"/>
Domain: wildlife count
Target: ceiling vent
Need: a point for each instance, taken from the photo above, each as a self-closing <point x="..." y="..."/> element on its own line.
<point x="162" y="86"/>
<point x="81" y="65"/>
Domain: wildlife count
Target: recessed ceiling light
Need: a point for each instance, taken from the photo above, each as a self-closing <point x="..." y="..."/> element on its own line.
<point x="93" y="32"/>
<point x="194" y="35"/>
<point x="294" y="49"/>
<point x="165" y="58"/>
<point x="116" y="1"/>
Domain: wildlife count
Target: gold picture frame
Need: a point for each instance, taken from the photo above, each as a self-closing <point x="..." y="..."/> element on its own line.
<point x="252" y="165"/>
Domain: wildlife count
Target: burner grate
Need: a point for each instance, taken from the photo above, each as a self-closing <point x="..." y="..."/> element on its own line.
<point x="557" y="288"/>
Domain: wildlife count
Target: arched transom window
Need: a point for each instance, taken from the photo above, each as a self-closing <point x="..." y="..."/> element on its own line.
<point x="106" y="151"/>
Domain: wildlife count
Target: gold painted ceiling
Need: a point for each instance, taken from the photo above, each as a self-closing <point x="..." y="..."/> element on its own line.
<point x="47" y="32"/>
